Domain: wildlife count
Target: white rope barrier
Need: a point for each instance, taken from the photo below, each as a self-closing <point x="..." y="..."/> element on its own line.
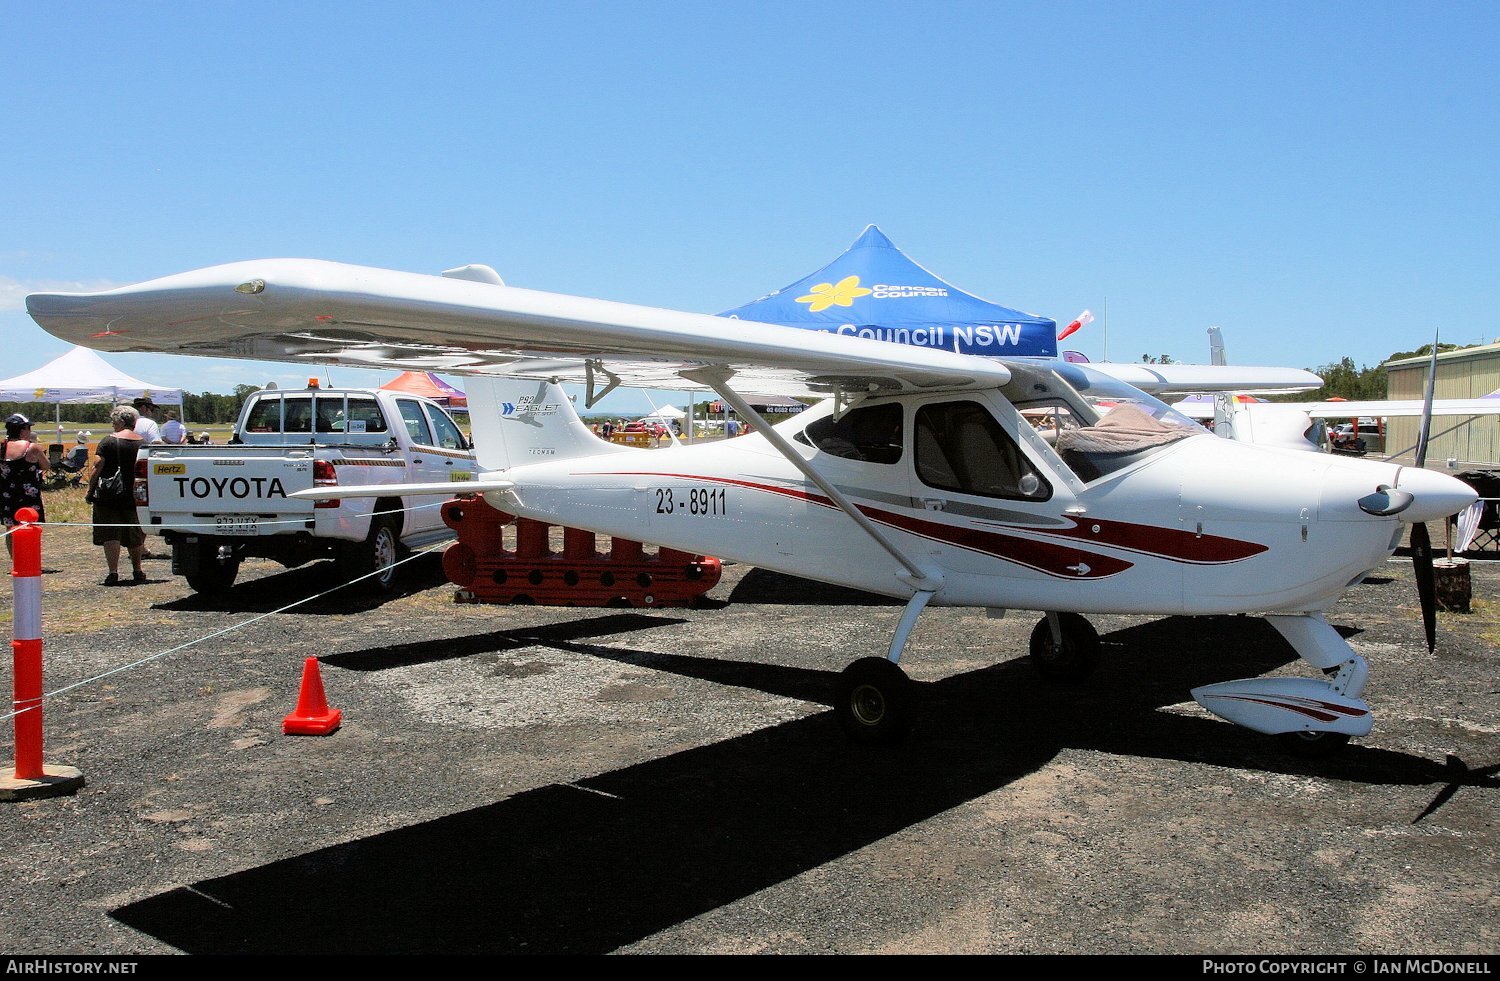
<point x="233" y="627"/>
<point x="205" y="524"/>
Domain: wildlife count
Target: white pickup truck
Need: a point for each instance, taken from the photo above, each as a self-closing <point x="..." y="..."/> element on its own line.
<point x="219" y="504"/>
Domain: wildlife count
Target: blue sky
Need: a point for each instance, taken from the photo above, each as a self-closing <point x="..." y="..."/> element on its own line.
<point x="1318" y="179"/>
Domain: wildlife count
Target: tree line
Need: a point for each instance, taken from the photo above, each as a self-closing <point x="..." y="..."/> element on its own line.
<point x="206" y="407"/>
<point x="1344" y="380"/>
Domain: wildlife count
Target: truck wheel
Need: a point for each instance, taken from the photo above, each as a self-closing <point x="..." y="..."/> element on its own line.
<point x="214" y="575"/>
<point x="376" y="554"/>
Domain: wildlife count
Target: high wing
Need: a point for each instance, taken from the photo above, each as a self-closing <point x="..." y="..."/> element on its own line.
<point x="322" y="312"/>
<point x="331" y="313"/>
<point x="1160" y="379"/>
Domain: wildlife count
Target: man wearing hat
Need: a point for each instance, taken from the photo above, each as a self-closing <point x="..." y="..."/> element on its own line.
<point x="146" y="426"/>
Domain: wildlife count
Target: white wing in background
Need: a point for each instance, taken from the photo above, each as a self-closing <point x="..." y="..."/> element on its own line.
<point x="1161" y="379"/>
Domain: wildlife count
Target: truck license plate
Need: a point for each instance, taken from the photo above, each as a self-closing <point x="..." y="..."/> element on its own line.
<point x="236" y="524"/>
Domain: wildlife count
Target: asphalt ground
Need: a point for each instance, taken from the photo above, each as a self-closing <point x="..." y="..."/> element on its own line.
<point x="529" y="780"/>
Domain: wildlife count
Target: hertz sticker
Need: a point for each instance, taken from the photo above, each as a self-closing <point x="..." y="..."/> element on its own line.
<point x="459" y="475"/>
<point x="169" y="468"/>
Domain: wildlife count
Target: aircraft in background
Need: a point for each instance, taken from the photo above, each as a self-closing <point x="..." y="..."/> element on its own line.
<point x="926" y="475"/>
<point x="1303" y="425"/>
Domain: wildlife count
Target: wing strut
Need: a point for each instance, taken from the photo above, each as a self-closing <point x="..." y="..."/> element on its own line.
<point x="717" y="378"/>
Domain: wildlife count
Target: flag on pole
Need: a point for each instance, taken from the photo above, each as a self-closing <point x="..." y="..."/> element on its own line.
<point x="1081" y="320"/>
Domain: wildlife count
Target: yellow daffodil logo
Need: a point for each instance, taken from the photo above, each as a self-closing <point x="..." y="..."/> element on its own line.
<point x="39" y="394"/>
<point x="826" y="295"/>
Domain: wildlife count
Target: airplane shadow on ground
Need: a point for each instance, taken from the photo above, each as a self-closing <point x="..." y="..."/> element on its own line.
<point x="275" y="591"/>
<point x="553" y="635"/>
<point x="764" y="586"/>
<point x="590" y="867"/>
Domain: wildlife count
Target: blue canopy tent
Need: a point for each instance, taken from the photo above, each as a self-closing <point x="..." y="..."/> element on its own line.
<point x="874" y="290"/>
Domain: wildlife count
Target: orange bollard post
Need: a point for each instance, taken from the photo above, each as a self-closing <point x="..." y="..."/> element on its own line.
<point x="312" y="717"/>
<point x="32" y="777"/>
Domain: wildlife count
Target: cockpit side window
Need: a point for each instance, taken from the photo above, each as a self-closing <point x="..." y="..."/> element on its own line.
<point x="960" y="446"/>
<point x="871" y="433"/>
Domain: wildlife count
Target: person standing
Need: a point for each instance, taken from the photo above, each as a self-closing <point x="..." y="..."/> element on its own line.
<point x="116" y="523"/>
<point x="145" y="423"/>
<point x="22" y="463"/>
<point x="173" y="431"/>
<point x="150" y="432"/>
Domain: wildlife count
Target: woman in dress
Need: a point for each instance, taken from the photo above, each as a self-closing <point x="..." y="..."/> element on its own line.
<point x="22" y="462"/>
<point x="115" y="520"/>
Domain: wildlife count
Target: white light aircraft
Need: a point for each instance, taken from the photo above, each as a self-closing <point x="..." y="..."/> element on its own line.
<point x="1301" y="425"/>
<point x="1294" y="425"/>
<point x="929" y="476"/>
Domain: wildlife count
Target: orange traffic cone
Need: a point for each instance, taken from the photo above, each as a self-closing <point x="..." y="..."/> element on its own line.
<point x="313" y="717"/>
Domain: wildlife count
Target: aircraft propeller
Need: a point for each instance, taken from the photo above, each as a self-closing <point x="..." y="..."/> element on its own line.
<point x="1421" y="544"/>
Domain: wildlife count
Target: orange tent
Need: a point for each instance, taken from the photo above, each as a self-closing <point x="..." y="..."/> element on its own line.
<point x="427" y="385"/>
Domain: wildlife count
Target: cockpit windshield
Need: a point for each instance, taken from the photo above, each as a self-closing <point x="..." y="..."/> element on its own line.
<point x="1097" y="424"/>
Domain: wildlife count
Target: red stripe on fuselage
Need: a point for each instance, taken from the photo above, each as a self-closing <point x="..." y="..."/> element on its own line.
<point x="1166" y="543"/>
<point x="1062" y="561"/>
<point x="1172" y="544"/>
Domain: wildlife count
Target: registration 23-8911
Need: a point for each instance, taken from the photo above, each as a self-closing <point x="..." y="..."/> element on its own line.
<point x="708" y="501"/>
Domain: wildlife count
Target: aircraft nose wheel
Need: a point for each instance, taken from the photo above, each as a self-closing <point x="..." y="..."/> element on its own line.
<point x="1075" y="659"/>
<point x="1312" y="745"/>
<point x="873" y="701"/>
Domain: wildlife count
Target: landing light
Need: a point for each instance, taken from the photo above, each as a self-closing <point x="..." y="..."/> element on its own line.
<point x="251" y="287"/>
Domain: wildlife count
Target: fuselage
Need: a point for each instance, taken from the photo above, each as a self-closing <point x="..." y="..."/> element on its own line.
<point x="1194" y="525"/>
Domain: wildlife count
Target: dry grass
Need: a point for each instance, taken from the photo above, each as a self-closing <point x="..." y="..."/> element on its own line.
<point x="67" y="505"/>
<point x="1487" y="613"/>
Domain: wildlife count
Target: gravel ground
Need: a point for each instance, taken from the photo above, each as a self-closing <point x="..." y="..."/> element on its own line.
<point x="518" y="779"/>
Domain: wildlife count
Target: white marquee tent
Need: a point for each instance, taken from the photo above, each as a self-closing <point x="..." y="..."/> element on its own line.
<point x="81" y="377"/>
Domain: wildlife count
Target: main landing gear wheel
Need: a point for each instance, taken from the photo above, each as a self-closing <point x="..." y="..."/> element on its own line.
<point x="1075" y="659"/>
<point x="873" y="701"/>
<point x="1313" y="745"/>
